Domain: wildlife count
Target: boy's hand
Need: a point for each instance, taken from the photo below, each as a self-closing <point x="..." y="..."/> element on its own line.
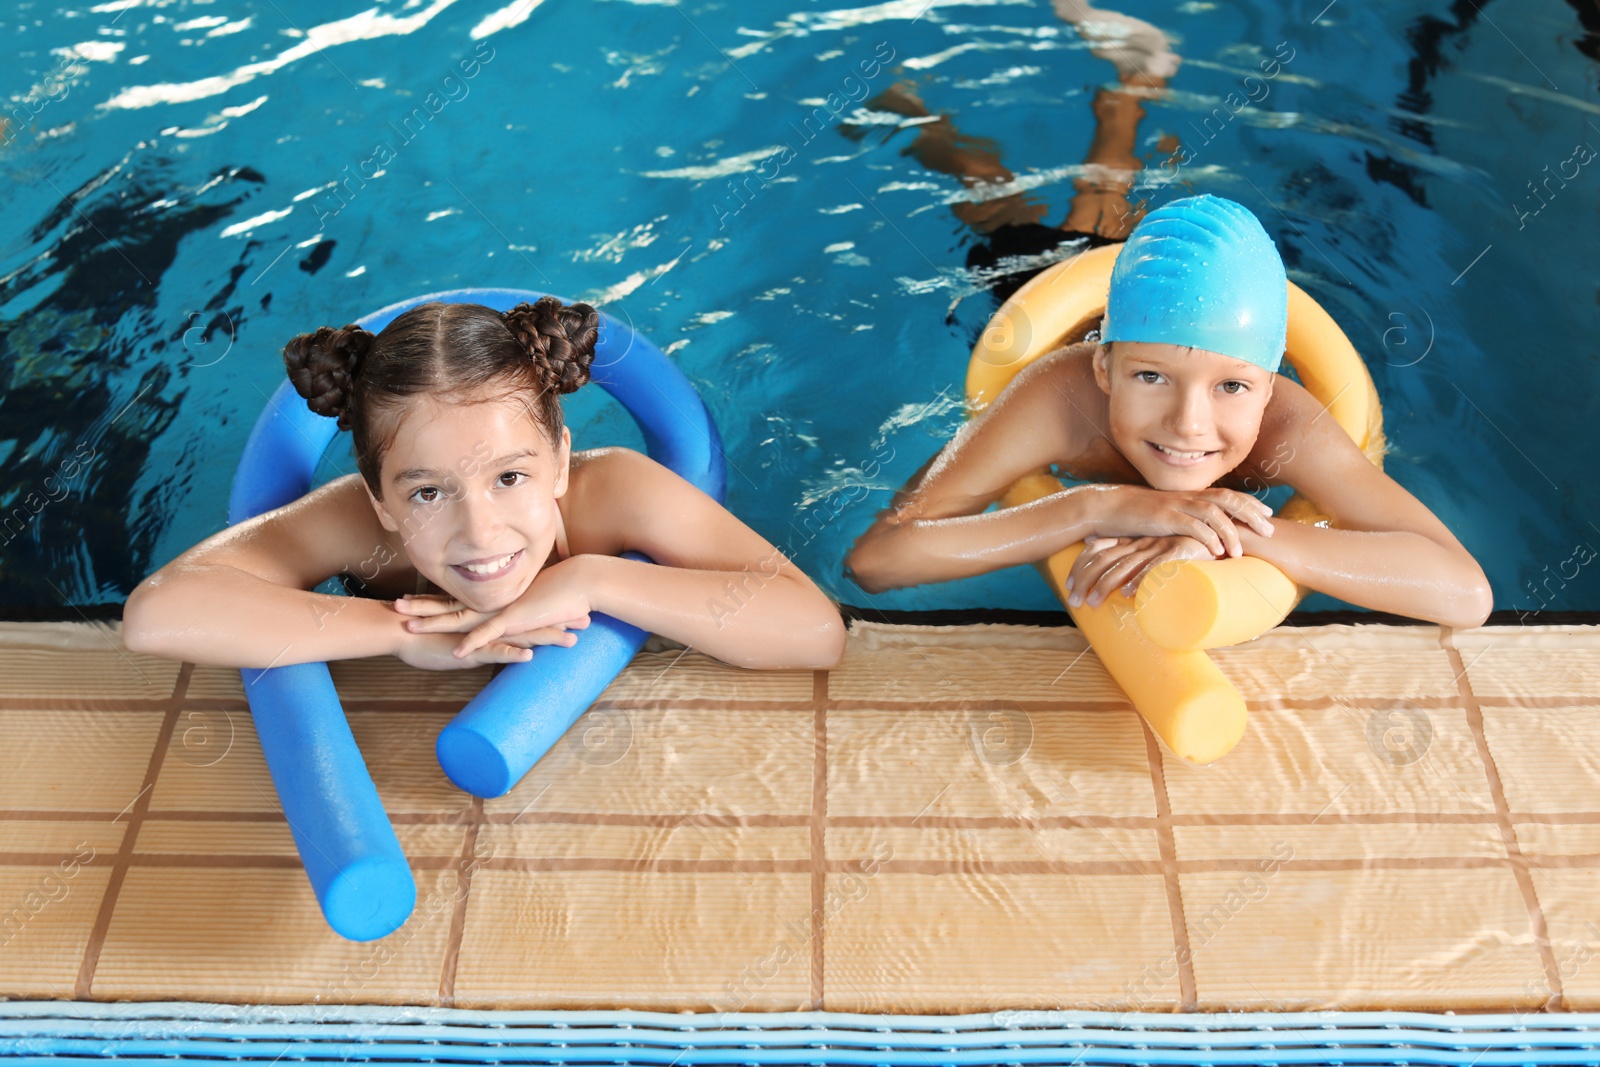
<point x="436" y="652"/>
<point x="552" y="605"/>
<point x="1112" y="563"/>
<point x="1206" y="515"/>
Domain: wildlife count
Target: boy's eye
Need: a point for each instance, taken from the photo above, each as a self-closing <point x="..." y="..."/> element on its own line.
<point x="1153" y="375"/>
<point x="1233" y="392"/>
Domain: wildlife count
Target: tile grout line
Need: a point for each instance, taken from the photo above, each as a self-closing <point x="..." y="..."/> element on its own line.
<point x="458" y="915"/>
<point x="819" y="819"/>
<point x="1169" y="871"/>
<point x="82" y="987"/>
<point x="1508" y="831"/>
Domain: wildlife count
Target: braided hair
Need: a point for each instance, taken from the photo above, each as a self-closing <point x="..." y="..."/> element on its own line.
<point x="534" y="352"/>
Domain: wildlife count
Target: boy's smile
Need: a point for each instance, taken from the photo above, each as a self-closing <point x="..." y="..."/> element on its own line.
<point x="1184" y="417"/>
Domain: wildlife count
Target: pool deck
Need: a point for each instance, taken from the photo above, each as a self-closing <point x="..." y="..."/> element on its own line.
<point x="955" y="819"/>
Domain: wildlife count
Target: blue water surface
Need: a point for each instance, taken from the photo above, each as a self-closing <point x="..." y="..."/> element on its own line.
<point x="189" y="183"/>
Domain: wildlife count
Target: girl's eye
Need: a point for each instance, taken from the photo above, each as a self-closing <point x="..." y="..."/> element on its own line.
<point x="425" y="494"/>
<point x="513" y="475"/>
<point x="1234" y="392"/>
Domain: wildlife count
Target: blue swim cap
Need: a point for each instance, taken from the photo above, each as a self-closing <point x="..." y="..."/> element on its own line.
<point x="1201" y="272"/>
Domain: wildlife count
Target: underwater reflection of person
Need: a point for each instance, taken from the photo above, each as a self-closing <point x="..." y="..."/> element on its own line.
<point x="1014" y="243"/>
<point x="1174" y="416"/>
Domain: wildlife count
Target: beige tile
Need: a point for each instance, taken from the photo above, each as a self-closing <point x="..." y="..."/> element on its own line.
<point x="258" y="936"/>
<point x="1559" y="839"/>
<point x="1419" y="637"/>
<point x="678" y="676"/>
<point x="674" y="761"/>
<point x="1048" y="844"/>
<point x="52" y="836"/>
<point x="1504" y="672"/>
<point x="215" y="837"/>
<point x="74" y="760"/>
<point x="1549" y="758"/>
<point x="1320" y="669"/>
<point x="542" y="840"/>
<point x="106" y="671"/>
<point x="1273" y="845"/>
<point x="430" y="839"/>
<point x="923" y="666"/>
<point x="215" y="763"/>
<point x="945" y="762"/>
<point x="215" y="683"/>
<point x="970" y="943"/>
<point x="1360" y="940"/>
<point x="708" y="941"/>
<point x="46" y="915"/>
<point x="1339" y="760"/>
<point x="398" y="747"/>
<point x="384" y="677"/>
<point x="1567" y="898"/>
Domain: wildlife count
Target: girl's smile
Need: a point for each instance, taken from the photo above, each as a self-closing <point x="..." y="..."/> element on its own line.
<point x="490" y="569"/>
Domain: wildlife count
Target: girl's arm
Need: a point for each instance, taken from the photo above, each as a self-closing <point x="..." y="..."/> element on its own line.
<point x="242" y="597"/>
<point x="716" y="584"/>
<point x="936" y="528"/>
<point x="1388" y="552"/>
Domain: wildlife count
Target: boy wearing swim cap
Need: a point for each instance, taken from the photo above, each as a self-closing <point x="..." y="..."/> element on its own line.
<point x="1175" y="416"/>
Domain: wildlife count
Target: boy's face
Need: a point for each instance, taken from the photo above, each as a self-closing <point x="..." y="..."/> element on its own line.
<point x="474" y="483"/>
<point x="1183" y="416"/>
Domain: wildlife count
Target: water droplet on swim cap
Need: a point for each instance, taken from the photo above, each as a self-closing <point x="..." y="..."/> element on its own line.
<point x="1154" y="284"/>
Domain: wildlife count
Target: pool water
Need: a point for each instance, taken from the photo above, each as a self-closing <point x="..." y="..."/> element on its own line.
<point x="188" y="184"/>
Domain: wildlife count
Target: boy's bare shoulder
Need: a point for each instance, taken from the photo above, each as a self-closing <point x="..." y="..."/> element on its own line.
<point x="1290" y="411"/>
<point x="1292" y="420"/>
<point x="1064" y="380"/>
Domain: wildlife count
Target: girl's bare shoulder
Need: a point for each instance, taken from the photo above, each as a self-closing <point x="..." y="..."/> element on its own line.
<point x="600" y="484"/>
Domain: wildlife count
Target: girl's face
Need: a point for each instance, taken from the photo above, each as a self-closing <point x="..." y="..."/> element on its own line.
<point x="1183" y="416"/>
<point x="471" y="487"/>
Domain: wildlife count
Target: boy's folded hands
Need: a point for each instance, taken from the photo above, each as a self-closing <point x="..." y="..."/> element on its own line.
<point x="1137" y="528"/>
<point x="1207" y="515"/>
<point x="1112" y="563"/>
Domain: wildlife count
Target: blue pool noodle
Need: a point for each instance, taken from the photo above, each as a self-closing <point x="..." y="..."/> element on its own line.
<point x="352" y="857"/>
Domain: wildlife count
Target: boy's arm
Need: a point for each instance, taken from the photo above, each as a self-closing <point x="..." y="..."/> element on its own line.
<point x="935" y="529"/>
<point x="1387" y="552"/>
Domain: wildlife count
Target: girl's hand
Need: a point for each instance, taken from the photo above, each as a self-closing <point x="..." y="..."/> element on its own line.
<point x="552" y="605"/>
<point x="1110" y="563"/>
<point x="1205" y="515"/>
<point x="436" y="652"/>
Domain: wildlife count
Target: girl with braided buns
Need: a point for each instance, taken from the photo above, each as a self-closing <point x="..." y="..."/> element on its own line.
<point x="467" y="482"/>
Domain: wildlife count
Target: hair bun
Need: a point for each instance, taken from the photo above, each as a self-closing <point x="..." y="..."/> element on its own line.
<point x="323" y="365"/>
<point x="559" y="338"/>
